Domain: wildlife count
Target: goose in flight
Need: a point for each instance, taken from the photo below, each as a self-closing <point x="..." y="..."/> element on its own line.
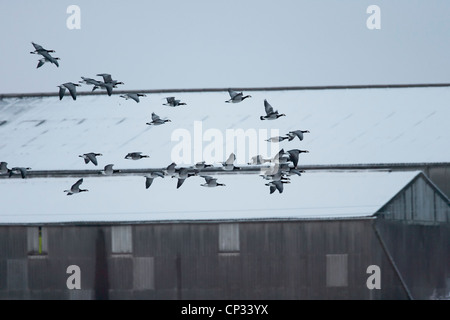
<point x="270" y="113"/>
<point x="211" y="182"/>
<point x="275" y="173"/>
<point x="171" y="169"/>
<point x="4" y="168"/>
<point x="276" y="185"/>
<point x="229" y="164"/>
<point x="281" y="157"/>
<point x="72" y="87"/>
<point x="109" y="171"/>
<point x="135" y="156"/>
<point x="19" y="170"/>
<point x="156" y="120"/>
<point x="44" y="60"/>
<point x="236" y="97"/>
<point x="134" y="96"/>
<point x="91" y="81"/>
<point x="202" y="165"/>
<point x="182" y="174"/>
<point x="297" y="133"/>
<point x="108" y="79"/>
<point x="294" y="154"/>
<point x="149" y="178"/>
<point x="76" y="188"/>
<point x="171" y="102"/>
<point x="277" y="139"/>
<point x="45" y="53"/>
<point x="90" y="157"/>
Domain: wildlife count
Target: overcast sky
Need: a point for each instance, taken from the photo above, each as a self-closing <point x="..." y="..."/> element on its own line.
<point x="208" y="44"/>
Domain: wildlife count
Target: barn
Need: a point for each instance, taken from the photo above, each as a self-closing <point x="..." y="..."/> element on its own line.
<point x="369" y="218"/>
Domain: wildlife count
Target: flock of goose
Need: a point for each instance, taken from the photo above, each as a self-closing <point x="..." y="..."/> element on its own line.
<point x="277" y="175"/>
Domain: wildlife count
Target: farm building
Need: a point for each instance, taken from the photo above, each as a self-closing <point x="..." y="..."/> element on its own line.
<point x="374" y="193"/>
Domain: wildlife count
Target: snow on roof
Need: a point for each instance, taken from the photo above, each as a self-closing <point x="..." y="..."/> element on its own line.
<point x="403" y="125"/>
<point x="314" y="195"/>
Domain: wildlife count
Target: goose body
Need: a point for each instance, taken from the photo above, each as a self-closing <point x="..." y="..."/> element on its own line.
<point x="297" y="133"/>
<point x="149" y="178"/>
<point x="109" y="171"/>
<point x="211" y="182"/>
<point x="228" y="165"/>
<point x="294" y="155"/>
<point x="108" y="79"/>
<point x="270" y="113"/>
<point x="135" y="156"/>
<point x="72" y="87"/>
<point x="19" y="170"/>
<point x="172" y="102"/>
<point x="202" y="165"/>
<point x="44" y="60"/>
<point x="76" y="188"/>
<point x="236" y="97"/>
<point x="133" y="96"/>
<point x="156" y="120"/>
<point x="90" y="157"/>
<point x="277" y="139"/>
<point x="4" y="168"/>
<point x="276" y="185"/>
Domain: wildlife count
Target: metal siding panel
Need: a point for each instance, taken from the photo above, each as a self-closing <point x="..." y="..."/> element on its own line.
<point x="17" y="274"/>
<point x="81" y="294"/>
<point x="442" y="209"/>
<point x="121" y="239"/>
<point x="408" y="204"/>
<point x="121" y="273"/>
<point x="337" y="270"/>
<point x="144" y="273"/>
<point x="229" y="237"/>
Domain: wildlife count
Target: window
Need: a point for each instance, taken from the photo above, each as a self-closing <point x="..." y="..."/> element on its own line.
<point x="37" y="243"/>
<point x="121" y="239"/>
<point x="144" y="273"/>
<point x="229" y="238"/>
<point x="337" y="270"/>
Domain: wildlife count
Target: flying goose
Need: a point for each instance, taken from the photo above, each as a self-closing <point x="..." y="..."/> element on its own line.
<point x="38" y="49"/>
<point x="276" y="185"/>
<point x="275" y="174"/>
<point x="202" y="165"/>
<point x="134" y="96"/>
<point x="211" y="182"/>
<point x="91" y="156"/>
<point x="4" y="168"/>
<point x="149" y="178"/>
<point x="182" y="175"/>
<point x="44" y="60"/>
<point x="76" y="188"/>
<point x="236" y="97"/>
<point x="294" y="154"/>
<point x="108" y="170"/>
<point x="277" y="139"/>
<point x="19" y="170"/>
<point x="281" y="157"/>
<point x="72" y="87"/>
<point x="171" y="102"/>
<point x="156" y="120"/>
<point x="171" y="169"/>
<point x="45" y="53"/>
<point x="108" y="79"/>
<point x="229" y="164"/>
<point x="135" y="156"/>
<point x="94" y="82"/>
<point x="297" y="133"/>
<point x="270" y="113"/>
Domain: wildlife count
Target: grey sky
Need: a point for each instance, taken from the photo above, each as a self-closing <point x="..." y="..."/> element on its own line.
<point x="208" y="43"/>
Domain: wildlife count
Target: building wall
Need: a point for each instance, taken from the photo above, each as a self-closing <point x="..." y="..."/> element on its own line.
<point x="326" y="259"/>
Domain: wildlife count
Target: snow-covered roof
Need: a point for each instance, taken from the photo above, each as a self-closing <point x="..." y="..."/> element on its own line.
<point x="402" y="125"/>
<point x="314" y="195"/>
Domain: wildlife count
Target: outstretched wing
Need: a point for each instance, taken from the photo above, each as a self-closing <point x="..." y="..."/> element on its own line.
<point x="76" y="185"/>
<point x="231" y="159"/>
<point x="170" y="99"/>
<point x="155" y="116"/>
<point x="92" y="158"/>
<point x="297" y="133"/>
<point x="72" y="90"/>
<point x="233" y="94"/>
<point x="106" y="77"/>
<point x="62" y="91"/>
<point x="148" y="182"/>
<point x="180" y="182"/>
<point x="278" y="185"/>
<point x="208" y="178"/>
<point x="268" y="107"/>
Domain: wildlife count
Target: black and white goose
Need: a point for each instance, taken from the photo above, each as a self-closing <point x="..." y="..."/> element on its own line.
<point x="236" y="97"/>
<point x="281" y="157"/>
<point x="90" y="157"/>
<point x="202" y="165"/>
<point x="76" y="188"/>
<point x="44" y="60"/>
<point x="4" y="168"/>
<point x="276" y="185"/>
<point x="270" y="113"/>
<point x="150" y="177"/>
<point x="171" y="169"/>
<point x="275" y="173"/>
<point x="45" y="53"/>
<point x="108" y="170"/>
<point x="19" y="170"/>
<point x="72" y="87"/>
<point x="211" y="182"/>
<point x="182" y="174"/>
<point x="228" y="165"/>
<point x="108" y="79"/>
<point x="135" y="156"/>
<point x="277" y="139"/>
<point x="91" y="81"/>
<point x="156" y="120"/>
<point x="297" y="133"/>
<point x="133" y="96"/>
<point x="172" y="102"/>
<point x="294" y="155"/>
